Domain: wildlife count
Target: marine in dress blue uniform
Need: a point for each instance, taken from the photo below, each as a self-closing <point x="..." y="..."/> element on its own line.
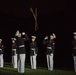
<point x="33" y="53"/>
<point x="21" y="50"/>
<point x="14" y="53"/>
<point x="50" y="50"/>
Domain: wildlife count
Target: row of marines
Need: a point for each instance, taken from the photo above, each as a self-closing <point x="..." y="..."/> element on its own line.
<point x="19" y="51"/>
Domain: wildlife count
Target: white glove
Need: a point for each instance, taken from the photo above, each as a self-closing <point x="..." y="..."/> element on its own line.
<point x="46" y="37"/>
<point x="54" y="35"/>
<point x="23" y="33"/>
<point x="15" y="39"/>
<point x="17" y="33"/>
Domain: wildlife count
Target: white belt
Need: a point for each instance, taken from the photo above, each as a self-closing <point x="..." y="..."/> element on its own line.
<point x="33" y="49"/>
<point x="21" y="46"/>
<point x="14" y="49"/>
<point x="0" y="49"/>
<point x="49" y="47"/>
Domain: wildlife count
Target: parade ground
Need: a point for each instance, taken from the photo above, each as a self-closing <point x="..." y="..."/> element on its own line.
<point x="39" y="71"/>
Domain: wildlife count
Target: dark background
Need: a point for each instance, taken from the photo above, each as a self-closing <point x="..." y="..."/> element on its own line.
<point x="56" y="16"/>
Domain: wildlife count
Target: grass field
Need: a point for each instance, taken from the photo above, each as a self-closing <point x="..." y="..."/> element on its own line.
<point x="39" y="71"/>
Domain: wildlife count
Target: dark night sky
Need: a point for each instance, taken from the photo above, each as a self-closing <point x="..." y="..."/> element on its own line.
<point x="20" y="8"/>
<point x="53" y="16"/>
